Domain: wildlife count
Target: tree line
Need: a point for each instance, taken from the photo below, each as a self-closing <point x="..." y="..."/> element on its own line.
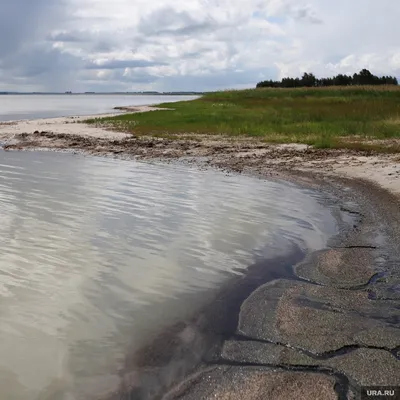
<point x="364" y="77"/>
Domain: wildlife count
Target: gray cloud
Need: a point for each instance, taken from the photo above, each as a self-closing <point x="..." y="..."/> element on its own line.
<point x="25" y="59"/>
<point x="116" y="80"/>
<point x="196" y="45"/>
<point x="91" y="42"/>
<point x="167" y="21"/>
<point x="103" y="46"/>
<point x="306" y="14"/>
<point x="74" y="37"/>
<point x="122" y="64"/>
<point x="47" y="68"/>
<point x="23" y="22"/>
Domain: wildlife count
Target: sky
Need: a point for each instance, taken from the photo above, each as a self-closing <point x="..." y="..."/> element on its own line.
<point x="200" y="45"/>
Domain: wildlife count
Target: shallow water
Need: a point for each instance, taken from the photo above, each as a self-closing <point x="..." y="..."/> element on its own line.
<point x="98" y="255"/>
<point x="18" y="107"/>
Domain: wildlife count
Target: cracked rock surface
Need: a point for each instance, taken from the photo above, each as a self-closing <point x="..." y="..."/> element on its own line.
<point x="360" y="365"/>
<point x="249" y="383"/>
<point x="318" y="319"/>
<point x="343" y="268"/>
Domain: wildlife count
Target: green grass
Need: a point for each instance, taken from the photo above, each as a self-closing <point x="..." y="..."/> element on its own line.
<point x="322" y="117"/>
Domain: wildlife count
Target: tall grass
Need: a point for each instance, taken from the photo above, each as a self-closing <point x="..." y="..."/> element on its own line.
<point x="318" y="116"/>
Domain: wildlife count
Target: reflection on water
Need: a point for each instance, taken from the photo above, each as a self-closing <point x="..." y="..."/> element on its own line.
<point x="98" y="255"/>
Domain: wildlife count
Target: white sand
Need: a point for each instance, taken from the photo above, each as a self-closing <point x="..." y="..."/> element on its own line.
<point x="66" y="125"/>
<point x="382" y="170"/>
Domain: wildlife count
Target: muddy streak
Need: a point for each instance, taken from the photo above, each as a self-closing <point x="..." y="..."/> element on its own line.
<point x="183" y="347"/>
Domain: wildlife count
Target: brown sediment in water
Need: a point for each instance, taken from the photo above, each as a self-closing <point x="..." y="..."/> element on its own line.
<point x="328" y="320"/>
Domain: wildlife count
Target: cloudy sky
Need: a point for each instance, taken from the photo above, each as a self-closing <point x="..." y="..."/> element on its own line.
<point x="123" y="45"/>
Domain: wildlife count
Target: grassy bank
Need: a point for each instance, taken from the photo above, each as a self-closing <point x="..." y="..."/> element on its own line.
<point x="323" y="117"/>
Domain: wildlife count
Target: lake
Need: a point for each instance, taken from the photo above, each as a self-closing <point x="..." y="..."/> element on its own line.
<point x="19" y="107"/>
<point x="97" y="256"/>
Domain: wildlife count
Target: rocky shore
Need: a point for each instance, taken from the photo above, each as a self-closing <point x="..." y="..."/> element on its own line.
<point x="322" y="327"/>
<point x="328" y="331"/>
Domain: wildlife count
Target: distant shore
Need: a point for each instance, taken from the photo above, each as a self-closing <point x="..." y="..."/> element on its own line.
<point x="105" y="93"/>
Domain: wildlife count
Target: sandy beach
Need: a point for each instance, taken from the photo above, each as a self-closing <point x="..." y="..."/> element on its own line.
<point x="65" y="125"/>
<point x="326" y="332"/>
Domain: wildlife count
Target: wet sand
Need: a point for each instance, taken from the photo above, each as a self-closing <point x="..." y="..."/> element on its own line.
<point x="328" y="323"/>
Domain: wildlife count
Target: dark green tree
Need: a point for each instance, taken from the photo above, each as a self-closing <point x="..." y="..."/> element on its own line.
<point x="308" y="80"/>
<point x="364" y="77"/>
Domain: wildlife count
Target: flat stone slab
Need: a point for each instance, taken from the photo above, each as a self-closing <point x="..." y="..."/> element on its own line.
<point x="341" y="268"/>
<point x="251" y="383"/>
<point x="363" y="367"/>
<point x="252" y="352"/>
<point x="387" y="293"/>
<point x="368" y="367"/>
<point x="318" y="319"/>
<point x="388" y="286"/>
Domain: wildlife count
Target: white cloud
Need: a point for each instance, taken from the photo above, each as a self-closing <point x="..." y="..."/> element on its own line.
<point x="197" y="44"/>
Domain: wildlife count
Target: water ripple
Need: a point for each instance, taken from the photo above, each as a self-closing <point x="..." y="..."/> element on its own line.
<point x="96" y="256"/>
